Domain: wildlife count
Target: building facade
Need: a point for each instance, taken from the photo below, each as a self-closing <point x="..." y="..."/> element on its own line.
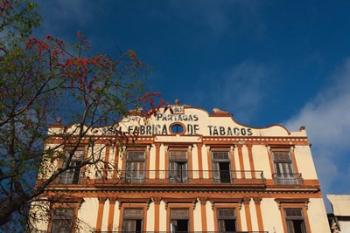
<point x="339" y="219"/>
<point x="190" y="170"/>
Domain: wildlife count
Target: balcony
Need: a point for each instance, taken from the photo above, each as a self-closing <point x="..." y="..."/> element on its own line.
<point x="287" y="178"/>
<point x="183" y="231"/>
<point x="184" y="178"/>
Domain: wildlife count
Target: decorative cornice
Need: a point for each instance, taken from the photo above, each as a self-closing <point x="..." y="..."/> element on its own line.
<point x="259" y="140"/>
<point x="65" y="199"/>
<point x="257" y="200"/>
<point x="255" y="140"/>
<point x="282" y="201"/>
<point x="157" y="200"/>
<point x="102" y="199"/>
<point x="246" y="200"/>
<point x="203" y="200"/>
<point x="180" y="200"/>
<point x="147" y="201"/>
<point x="225" y="200"/>
<point x="112" y="199"/>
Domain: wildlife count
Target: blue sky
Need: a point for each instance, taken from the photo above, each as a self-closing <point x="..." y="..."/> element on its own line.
<point x="265" y="61"/>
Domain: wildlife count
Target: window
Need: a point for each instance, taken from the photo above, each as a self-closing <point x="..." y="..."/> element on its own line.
<point x="179" y="220"/>
<point x="284" y="173"/>
<point x="135" y="166"/>
<point x="62" y="220"/>
<point x="221" y="167"/>
<point x="177" y="128"/>
<point x="295" y="220"/>
<point x="72" y="175"/>
<point x="226" y="220"/>
<point x="178" y="166"/>
<point x="133" y="220"/>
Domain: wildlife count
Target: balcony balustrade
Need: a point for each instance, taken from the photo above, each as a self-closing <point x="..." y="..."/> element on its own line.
<point x="288" y="178"/>
<point x="184" y="177"/>
<point x="183" y="232"/>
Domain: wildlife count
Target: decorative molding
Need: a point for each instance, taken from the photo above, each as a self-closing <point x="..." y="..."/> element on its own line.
<point x="157" y="200"/>
<point x="256" y="140"/>
<point x="112" y="199"/>
<point x="65" y="199"/>
<point x="283" y="201"/>
<point x="134" y="200"/>
<point x="180" y="200"/>
<point x="102" y="199"/>
<point x="246" y="200"/>
<point x="257" y="200"/>
<point x="203" y="200"/>
<point x="225" y="200"/>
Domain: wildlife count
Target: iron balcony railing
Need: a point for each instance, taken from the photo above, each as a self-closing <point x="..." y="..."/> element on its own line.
<point x="288" y="178"/>
<point x="184" y="177"/>
<point x="181" y="231"/>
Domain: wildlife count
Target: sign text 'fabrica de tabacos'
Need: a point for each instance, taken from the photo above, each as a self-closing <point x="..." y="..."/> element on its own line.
<point x="191" y="125"/>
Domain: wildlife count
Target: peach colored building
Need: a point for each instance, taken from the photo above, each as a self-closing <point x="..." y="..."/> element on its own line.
<point x="340" y="217"/>
<point x="191" y="170"/>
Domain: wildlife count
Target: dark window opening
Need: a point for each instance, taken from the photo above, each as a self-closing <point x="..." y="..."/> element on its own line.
<point x="221" y="167"/>
<point x="224" y="172"/>
<point x="178" y="166"/>
<point x="179" y="222"/>
<point x="227" y="220"/>
<point x="179" y="226"/>
<point x="230" y="225"/>
<point x="295" y="220"/>
<point x="72" y="175"/>
<point x="138" y="225"/>
<point x="62" y="220"/>
<point x="133" y="220"/>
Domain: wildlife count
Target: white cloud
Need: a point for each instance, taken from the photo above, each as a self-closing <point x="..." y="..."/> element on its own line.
<point x="220" y="15"/>
<point x="240" y="89"/>
<point x="327" y="120"/>
<point x="57" y="14"/>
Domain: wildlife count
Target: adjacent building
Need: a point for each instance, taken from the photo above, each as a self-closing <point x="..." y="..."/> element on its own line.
<point x="339" y="220"/>
<point x="190" y="170"/>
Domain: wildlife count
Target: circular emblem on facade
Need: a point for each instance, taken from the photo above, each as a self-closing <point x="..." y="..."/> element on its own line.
<point x="177" y="128"/>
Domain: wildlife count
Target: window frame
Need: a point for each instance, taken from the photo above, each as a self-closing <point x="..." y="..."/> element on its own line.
<point x="189" y="206"/>
<point x="142" y="149"/>
<point x="131" y="205"/>
<point x="178" y="147"/>
<point x="290" y="149"/>
<point x="188" y="219"/>
<point x="213" y="161"/>
<point x="294" y="204"/>
<point x="65" y="203"/>
<point x="66" y="151"/>
<point x="175" y="161"/>
<point x="233" y="218"/>
<point x="126" y="219"/>
<point x="236" y="206"/>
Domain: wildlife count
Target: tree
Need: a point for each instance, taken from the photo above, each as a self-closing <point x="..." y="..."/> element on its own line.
<point x="42" y="79"/>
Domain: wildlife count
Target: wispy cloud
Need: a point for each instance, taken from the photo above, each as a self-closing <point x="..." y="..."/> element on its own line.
<point x="220" y="15"/>
<point x="240" y="89"/>
<point x="327" y="119"/>
<point x="60" y="13"/>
